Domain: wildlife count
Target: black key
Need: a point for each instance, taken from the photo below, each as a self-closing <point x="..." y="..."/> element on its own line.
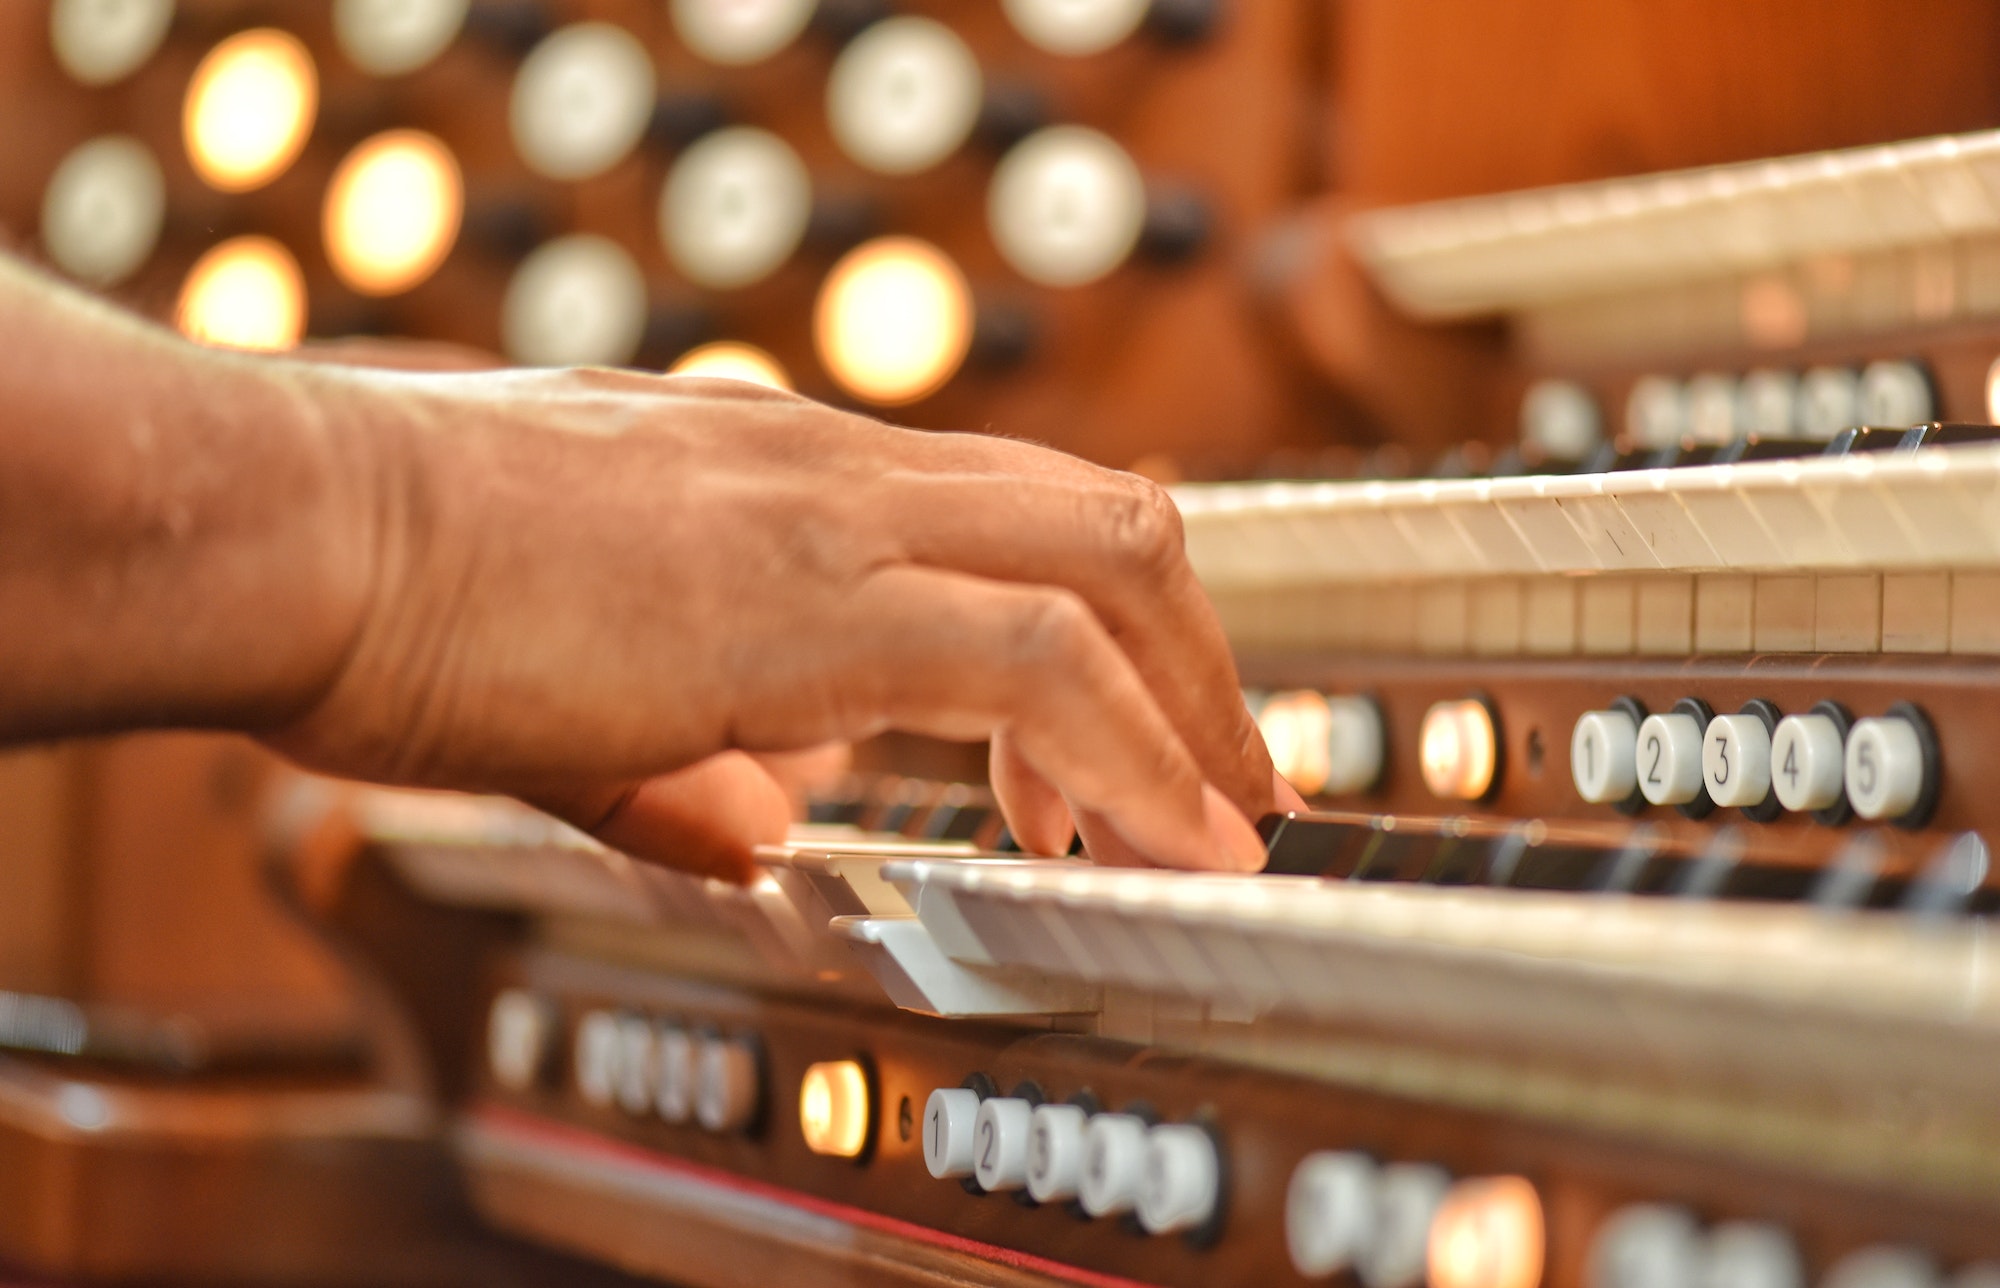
<point x="1943" y="433"/>
<point x="1307" y="845"/>
<point x="1756" y="447"/>
<point x="1866" y="438"/>
<point x="956" y="822"/>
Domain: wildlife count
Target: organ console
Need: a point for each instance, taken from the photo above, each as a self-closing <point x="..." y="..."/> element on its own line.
<point x="1582" y="416"/>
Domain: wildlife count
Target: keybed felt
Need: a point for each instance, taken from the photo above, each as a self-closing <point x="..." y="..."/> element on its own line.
<point x="1520" y="250"/>
<point x="1927" y="507"/>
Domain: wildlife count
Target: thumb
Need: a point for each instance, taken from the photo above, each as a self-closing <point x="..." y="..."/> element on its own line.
<point x="704" y="820"/>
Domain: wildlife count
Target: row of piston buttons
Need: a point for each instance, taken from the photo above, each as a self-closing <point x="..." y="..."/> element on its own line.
<point x="1169" y="1174"/>
<point x="1822" y="762"/>
<point x="1400" y="1225"/>
<point x="1657" y="1245"/>
<point x="641" y="1065"/>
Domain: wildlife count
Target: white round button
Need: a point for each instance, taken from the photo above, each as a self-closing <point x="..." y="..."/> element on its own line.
<point x="102" y="210"/>
<point x="596" y="1058"/>
<point x="1183" y="1179"/>
<point x="1646" y="1245"/>
<point x="949" y="1116"/>
<point x="1602" y="756"/>
<point x="1656" y="412"/>
<point x="1353" y="745"/>
<point x="1882" y="1266"/>
<point x="100" y="41"/>
<point x="576" y="301"/>
<point x="582" y="100"/>
<point x="1668" y="760"/>
<point x="1736" y="761"/>
<point x="1895" y="393"/>
<point x="1000" y="1135"/>
<point x="1114" y="1164"/>
<point x="637" y="1065"/>
<point x="734" y="207"/>
<point x="1406" y="1198"/>
<point x="1807" y="760"/>
<point x="390" y="37"/>
<point x="903" y="95"/>
<point x="1767" y="403"/>
<point x="1055" y="1152"/>
<point x="1066" y="206"/>
<point x="1750" y="1254"/>
<point x="1829" y="401"/>
<point x="1711" y="407"/>
<point x="1560" y="417"/>
<point x="675" y="1101"/>
<point x="1075" y="28"/>
<point x="518" y="1032"/>
<point x="736" y="33"/>
<point x="1330" y="1211"/>
<point x="1884" y="767"/>
<point x="725" y="1086"/>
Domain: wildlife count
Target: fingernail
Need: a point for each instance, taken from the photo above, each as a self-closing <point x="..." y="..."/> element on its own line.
<point x="1237" y="843"/>
<point x="1286" y="796"/>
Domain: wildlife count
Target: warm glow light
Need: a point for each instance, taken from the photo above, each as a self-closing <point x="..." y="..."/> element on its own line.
<point x="1296" y="727"/>
<point x="894" y="320"/>
<point x="246" y="293"/>
<point x="392" y="212"/>
<point x="249" y="109"/>
<point x="833" y="1108"/>
<point x="1487" y="1234"/>
<point x="732" y="360"/>
<point x="1459" y="750"/>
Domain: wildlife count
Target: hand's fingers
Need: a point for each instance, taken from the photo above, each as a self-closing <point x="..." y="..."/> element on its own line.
<point x="1035" y="811"/>
<point x="801" y="773"/>
<point x="1115" y="540"/>
<point x="955" y="656"/>
<point x="1285" y="798"/>
<point x="705" y="819"/>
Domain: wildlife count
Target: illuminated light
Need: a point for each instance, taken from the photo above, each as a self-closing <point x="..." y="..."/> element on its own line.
<point x="1296" y="728"/>
<point x="249" y="109"/>
<point x="103" y="209"/>
<point x="1993" y="392"/>
<point x="246" y="293"/>
<point x="391" y="37"/>
<point x="893" y="320"/>
<point x="101" y="41"/>
<point x="1459" y="750"/>
<point x="1487" y="1234"/>
<point x="834" y="1112"/>
<point x="392" y="212"/>
<point x="732" y="360"/>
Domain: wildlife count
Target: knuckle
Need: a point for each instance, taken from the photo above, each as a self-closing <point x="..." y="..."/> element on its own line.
<point x="1144" y="527"/>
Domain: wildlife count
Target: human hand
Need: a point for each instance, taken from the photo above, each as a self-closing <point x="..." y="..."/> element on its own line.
<point x="608" y="593"/>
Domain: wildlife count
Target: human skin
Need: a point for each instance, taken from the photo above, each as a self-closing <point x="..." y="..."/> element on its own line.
<point x="627" y="599"/>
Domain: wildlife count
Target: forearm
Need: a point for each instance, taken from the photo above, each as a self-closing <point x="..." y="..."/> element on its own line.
<point x="182" y="539"/>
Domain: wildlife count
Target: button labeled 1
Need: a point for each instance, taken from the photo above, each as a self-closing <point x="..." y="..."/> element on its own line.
<point x="1736" y="761"/>
<point x="1603" y="756"/>
<point x="1669" y="758"/>
<point x="949" y="1116"/>
<point x="1807" y="762"/>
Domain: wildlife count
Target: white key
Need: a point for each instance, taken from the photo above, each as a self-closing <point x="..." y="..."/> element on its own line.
<point x="391" y="37"/>
<point x="1075" y="28"/>
<point x="1896" y="393"/>
<point x="1656" y="412"/>
<point x="726" y="1084"/>
<point x="949" y="1116"/>
<point x="1646" y="1245"/>
<point x="737" y="33"/>
<point x="519" y="1029"/>
<point x="1603" y="751"/>
<point x="100" y="41"/>
<point x="903" y="95"/>
<point x="1668" y="760"/>
<point x="1829" y="401"/>
<point x="1561" y="418"/>
<point x="103" y="208"/>
<point x="1750" y="1254"/>
<point x="1066" y="206"/>
<point x="1807" y="762"/>
<point x="1000" y="1134"/>
<point x="1114" y="1164"/>
<point x="1055" y="1151"/>
<point x="638" y="1065"/>
<point x="1406" y="1199"/>
<point x="582" y="100"/>
<point x="1183" y="1179"/>
<point x="1736" y="761"/>
<point x="734" y="207"/>
<point x="1330" y="1211"/>
<point x="576" y="301"/>
<point x="675" y="1101"/>
<point x="1884" y="767"/>
<point x="595" y="1058"/>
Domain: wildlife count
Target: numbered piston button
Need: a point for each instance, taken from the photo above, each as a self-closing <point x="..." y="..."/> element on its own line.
<point x="1808" y="755"/>
<point x="1000" y="1138"/>
<point x="949" y="1120"/>
<point x="1668" y="761"/>
<point x="1736" y="760"/>
<point x="1055" y="1152"/>
<point x="1891" y="767"/>
<point x="1603" y="756"/>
